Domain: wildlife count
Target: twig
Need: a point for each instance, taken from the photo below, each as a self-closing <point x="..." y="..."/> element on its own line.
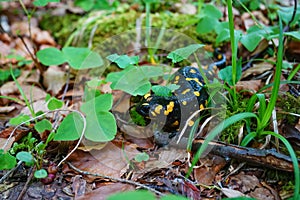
<point x="261" y="157"/>
<point x="36" y="62"/>
<point x="115" y="179"/>
<point x="31" y="172"/>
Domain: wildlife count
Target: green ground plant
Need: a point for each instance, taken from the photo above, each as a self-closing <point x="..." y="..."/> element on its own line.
<point x="97" y="105"/>
<point x="265" y="110"/>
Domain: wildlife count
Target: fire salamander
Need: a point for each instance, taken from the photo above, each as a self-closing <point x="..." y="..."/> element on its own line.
<point x="167" y="113"/>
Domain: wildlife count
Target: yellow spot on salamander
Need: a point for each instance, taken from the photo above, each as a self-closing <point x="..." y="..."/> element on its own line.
<point x="186" y="91"/>
<point x="184" y="103"/>
<point x="205" y="67"/>
<point x="220" y="56"/>
<point x="194" y="79"/>
<point x="170" y="107"/>
<point x="177" y="78"/>
<point x="197" y="93"/>
<point x="153" y="114"/>
<point x="191" y="123"/>
<point x="145" y="104"/>
<point x="201" y="107"/>
<point x="158" y="109"/>
<point x="193" y="71"/>
<point x="147" y="95"/>
<point x="176" y="123"/>
<point x="215" y="67"/>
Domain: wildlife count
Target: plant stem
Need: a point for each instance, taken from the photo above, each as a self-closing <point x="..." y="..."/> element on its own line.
<point x="233" y="49"/>
<point x="275" y="89"/>
<point x="200" y="4"/>
<point x="148" y="31"/>
<point x="28" y="104"/>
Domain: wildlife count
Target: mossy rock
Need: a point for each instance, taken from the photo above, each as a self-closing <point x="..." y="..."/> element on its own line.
<point x="99" y="26"/>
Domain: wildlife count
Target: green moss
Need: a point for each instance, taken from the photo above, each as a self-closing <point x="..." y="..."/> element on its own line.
<point x="230" y="134"/>
<point x="113" y="24"/>
<point x="289" y="104"/>
<point x="137" y="118"/>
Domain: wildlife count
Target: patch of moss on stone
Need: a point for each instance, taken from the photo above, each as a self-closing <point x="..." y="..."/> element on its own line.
<point x="106" y="25"/>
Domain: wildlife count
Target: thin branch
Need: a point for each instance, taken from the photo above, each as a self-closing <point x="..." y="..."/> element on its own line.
<point x="115" y="179"/>
<point x="31" y="172"/>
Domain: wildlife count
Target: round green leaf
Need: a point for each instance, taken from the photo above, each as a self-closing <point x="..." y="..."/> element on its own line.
<point x="7" y="161"/>
<point x="140" y="194"/>
<point x="100" y="103"/>
<point x="43" y="125"/>
<point x="70" y="128"/>
<point x="54" y="103"/>
<point x="173" y="197"/>
<point x="212" y="11"/>
<point x="19" y="119"/>
<point x="43" y="2"/>
<point x="132" y="80"/>
<point x="51" y="56"/>
<point x="183" y="53"/>
<point x="25" y="157"/>
<point x="101" y="126"/>
<point x="206" y="24"/>
<point x="82" y="58"/>
<point x="41" y="173"/>
<point x="141" y="157"/>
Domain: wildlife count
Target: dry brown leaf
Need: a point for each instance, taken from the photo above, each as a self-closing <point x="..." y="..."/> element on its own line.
<point x="20" y="48"/>
<point x="232" y="193"/>
<point x="110" y="160"/>
<point x="33" y="93"/>
<point x="257" y="69"/>
<point x="244" y="182"/>
<point x="105" y="88"/>
<point x="31" y="77"/>
<point x="6" y="109"/>
<point x="9" y="145"/>
<point x="42" y="37"/>
<point x="78" y="185"/>
<point x="4" y="51"/>
<point x="90" y="145"/>
<point x="204" y="175"/>
<point x="262" y="194"/>
<point x="5" y="38"/>
<point x="165" y="159"/>
<point x="186" y="8"/>
<point x="39" y="105"/>
<point x="103" y="192"/>
<point x="54" y="79"/>
<point x="248" y="87"/>
<point x="9" y="88"/>
<point x="210" y="166"/>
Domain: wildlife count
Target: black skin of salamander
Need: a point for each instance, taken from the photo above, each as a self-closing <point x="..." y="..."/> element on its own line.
<point x="187" y="80"/>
